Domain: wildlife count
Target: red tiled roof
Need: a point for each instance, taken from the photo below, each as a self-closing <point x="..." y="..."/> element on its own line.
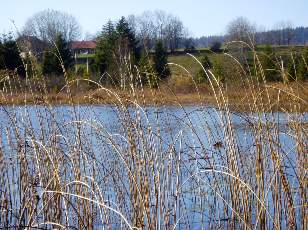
<point x="83" y="45"/>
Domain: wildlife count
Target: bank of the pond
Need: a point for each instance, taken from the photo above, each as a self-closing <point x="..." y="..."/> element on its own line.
<point x="272" y="97"/>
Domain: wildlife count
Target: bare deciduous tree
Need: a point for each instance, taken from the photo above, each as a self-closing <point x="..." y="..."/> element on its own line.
<point x="146" y="29"/>
<point x="174" y="33"/>
<point x="47" y="24"/>
<point x="240" y="29"/>
<point x="151" y="26"/>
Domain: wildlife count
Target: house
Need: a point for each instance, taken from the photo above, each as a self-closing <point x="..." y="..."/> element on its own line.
<point x="83" y="47"/>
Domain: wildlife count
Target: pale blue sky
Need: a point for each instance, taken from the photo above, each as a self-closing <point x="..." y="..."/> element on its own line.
<point x="202" y="17"/>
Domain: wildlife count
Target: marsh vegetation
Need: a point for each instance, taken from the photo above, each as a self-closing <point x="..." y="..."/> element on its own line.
<point x="216" y="139"/>
<point x="131" y="165"/>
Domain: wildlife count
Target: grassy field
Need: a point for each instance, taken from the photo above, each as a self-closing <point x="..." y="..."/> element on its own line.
<point x="185" y="61"/>
<point x="194" y="67"/>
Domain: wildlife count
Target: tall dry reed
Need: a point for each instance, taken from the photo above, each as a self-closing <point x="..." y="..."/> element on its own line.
<point x="154" y="167"/>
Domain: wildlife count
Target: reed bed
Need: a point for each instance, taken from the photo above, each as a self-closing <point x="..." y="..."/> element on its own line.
<point x="128" y="165"/>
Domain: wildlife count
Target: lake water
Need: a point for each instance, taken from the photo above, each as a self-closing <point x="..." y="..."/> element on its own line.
<point x="177" y="148"/>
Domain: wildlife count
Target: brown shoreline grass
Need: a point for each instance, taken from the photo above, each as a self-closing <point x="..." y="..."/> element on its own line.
<point x="238" y="100"/>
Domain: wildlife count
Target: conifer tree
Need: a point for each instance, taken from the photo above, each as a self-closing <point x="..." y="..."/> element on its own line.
<point x="160" y="61"/>
<point x="59" y="59"/>
<point x="9" y="55"/>
<point x="127" y="40"/>
<point x="302" y="70"/>
<point x="105" y="48"/>
<point x="268" y="64"/>
<point x="114" y="46"/>
<point x="147" y="73"/>
<point x="206" y="63"/>
<point x="295" y="67"/>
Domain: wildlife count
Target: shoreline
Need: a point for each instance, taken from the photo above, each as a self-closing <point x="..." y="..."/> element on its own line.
<point x="236" y="100"/>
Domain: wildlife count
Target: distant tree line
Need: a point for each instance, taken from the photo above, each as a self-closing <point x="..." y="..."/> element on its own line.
<point x="282" y="36"/>
<point x="134" y="48"/>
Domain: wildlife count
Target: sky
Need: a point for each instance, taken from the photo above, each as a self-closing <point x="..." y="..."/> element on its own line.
<point x="201" y="17"/>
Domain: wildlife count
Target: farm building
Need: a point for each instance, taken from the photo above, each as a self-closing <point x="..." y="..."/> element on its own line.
<point x="83" y="47"/>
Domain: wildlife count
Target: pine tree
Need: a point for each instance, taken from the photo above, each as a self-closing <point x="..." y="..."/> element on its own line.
<point x="58" y="58"/>
<point x="293" y="65"/>
<point x="108" y="31"/>
<point x="48" y="63"/>
<point x="126" y="33"/>
<point x="127" y="39"/>
<point x="268" y="64"/>
<point x="216" y="47"/>
<point x="114" y="46"/>
<point x="218" y="68"/>
<point x="302" y="70"/>
<point x="9" y="55"/>
<point x="105" y="48"/>
<point x="147" y="73"/>
<point x="64" y="52"/>
<point x="160" y="61"/>
<point x="206" y="63"/>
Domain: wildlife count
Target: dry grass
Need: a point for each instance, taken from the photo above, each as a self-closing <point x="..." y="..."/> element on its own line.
<point x="175" y="92"/>
<point x="148" y="168"/>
